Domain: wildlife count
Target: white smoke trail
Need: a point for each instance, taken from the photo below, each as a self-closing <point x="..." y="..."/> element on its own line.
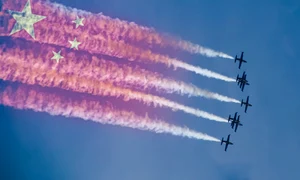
<point x="191" y="90"/>
<point x="203" y="72"/>
<point x="197" y="49"/>
<point x="26" y="97"/>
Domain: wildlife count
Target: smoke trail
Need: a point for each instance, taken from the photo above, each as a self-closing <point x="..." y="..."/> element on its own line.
<point x="118" y="29"/>
<point x="130" y="31"/>
<point x="50" y="78"/>
<point x="26" y="97"/>
<point x="55" y="30"/>
<point x="203" y="72"/>
<point x="197" y="49"/>
<point x="86" y="65"/>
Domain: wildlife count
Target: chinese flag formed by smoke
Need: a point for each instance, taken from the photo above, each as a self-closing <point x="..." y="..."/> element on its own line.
<point x="46" y="39"/>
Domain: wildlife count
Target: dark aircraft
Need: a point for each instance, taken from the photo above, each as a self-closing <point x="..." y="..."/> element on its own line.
<point x="238" y="78"/>
<point x="242" y="85"/>
<point x="234" y="118"/>
<point x="226" y="142"/>
<point x="246" y="104"/>
<point x="236" y="123"/>
<point x="242" y="81"/>
<point x="240" y="59"/>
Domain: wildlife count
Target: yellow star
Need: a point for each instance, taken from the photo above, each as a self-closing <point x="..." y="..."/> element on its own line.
<point x="25" y="20"/>
<point x="78" y="21"/>
<point x="57" y="56"/>
<point x="74" y="44"/>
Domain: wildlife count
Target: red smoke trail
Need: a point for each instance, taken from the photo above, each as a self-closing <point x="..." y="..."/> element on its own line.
<point x="58" y="29"/>
<point x="50" y="78"/>
<point x="29" y="97"/>
<point x="86" y="65"/>
<point x="117" y="29"/>
<point x="82" y="64"/>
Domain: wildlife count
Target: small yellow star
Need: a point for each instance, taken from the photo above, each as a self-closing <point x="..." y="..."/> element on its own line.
<point x="57" y="56"/>
<point x="74" y="44"/>
<point x="78" y="21"/>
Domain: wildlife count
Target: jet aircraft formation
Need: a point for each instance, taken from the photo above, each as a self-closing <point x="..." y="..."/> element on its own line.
<point x="235" y="120"/>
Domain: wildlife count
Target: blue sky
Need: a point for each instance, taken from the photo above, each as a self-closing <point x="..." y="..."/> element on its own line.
<point x="40" y="146"/>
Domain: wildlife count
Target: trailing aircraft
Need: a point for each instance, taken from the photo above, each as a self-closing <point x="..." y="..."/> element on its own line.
<point x="226" y="142"/>
<point x="242" y="81"/>
<point x="246" y="104"/>
<point x="237" y="123"/>
<point x="234" y="118"/>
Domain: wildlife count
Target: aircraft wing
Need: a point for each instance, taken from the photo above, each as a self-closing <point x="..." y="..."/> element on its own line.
<point x="243" y="86"/>
<point x="235" y="115"/>
<point x="232" y="124"/>
<point x="236" y="126"/>
<point x="244" y="75"/>
<point x="246" y="107"/>
<point x="240" y="64"/>
<point x="226" y="146"/>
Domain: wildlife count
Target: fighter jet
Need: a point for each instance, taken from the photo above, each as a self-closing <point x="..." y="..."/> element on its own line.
<point x="237" y="123"/>
<point x="226" y="142"/>
<point x="241" y="60"/>
<point x="246" y="104"/>
<point x="242" y="81"/>
<point x="234" y="118"/>
<point x="239" y="79"/>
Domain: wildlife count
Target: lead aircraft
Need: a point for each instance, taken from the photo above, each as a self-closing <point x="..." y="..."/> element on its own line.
<point x="241" y="60"/>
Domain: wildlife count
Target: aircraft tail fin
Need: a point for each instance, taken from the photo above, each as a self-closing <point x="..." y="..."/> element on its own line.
<point x="242" y="102"/>
<point x="222" y="141"/>
<point x="235" y="58"/>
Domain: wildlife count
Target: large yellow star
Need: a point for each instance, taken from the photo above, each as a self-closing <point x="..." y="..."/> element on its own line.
<point x="25" y="20"/>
